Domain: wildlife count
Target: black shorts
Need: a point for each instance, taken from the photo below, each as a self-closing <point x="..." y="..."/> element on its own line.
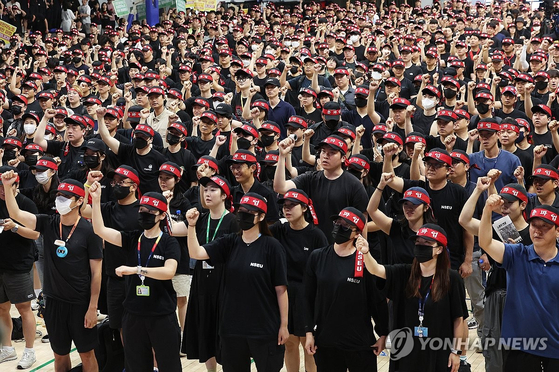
<point x="237" y="351"/>
<point x="337" y="360"/>
<point x="116" y="292"/>
<point x="520" y="361"/>
<point x="65" y="323"/>
<point x="16" y="287"/>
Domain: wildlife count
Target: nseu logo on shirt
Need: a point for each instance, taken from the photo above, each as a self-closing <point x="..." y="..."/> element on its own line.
<point x="258" y="265"/>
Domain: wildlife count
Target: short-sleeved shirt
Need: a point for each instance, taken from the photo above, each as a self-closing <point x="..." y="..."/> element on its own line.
<point x="531" y="311"/>
<point x="162" y="299"/>
<point x="147" y="166"/>
<point x="331" y="196"/>
<point x="252" y="273"/>
<point x="71" y="156"/>
<point x="272" y="214"/>
<point x="505" y="162"/>
<point x="68" y="278"/>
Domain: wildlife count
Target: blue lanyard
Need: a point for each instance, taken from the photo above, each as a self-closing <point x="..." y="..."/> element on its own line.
<point x="422" y="301"/>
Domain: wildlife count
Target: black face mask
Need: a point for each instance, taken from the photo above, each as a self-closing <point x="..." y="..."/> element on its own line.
<point x="243" y="143"/>
<point x="423" y="253"/>
<point x="267" y="140"/>
<point x="355" y="172"/>
<point x="294" y="70"/>
<point x="332" y="124"/>
<point x="172" y="139"/>
<point x="91" y="161"/>
<point x="270" y="172"/>
<point x="449" y="93"/>
<point x="246" y="220"/>
<point x="16" y="110"/>
<point x="520" y="137"/>
<point x="541" y="85"/>
<point x="340" y="235"/>
<point x="503" y="83"/>
<point x="31" y="160"/>
<point x="146" y="220"/>
<point x="77" y="60"/>
<point x="9" y="155"/>
<point x="360" y="102"/>
<point x="140" y="143"/>
<point x="482" y="108"/>
<point x="121" y="192"/>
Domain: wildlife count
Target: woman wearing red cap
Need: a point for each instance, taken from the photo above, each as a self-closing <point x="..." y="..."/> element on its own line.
<point x="299" y="237"/>
<point x="152" y="256"/>
<point x="341" y="300"/>
<point x="254" y="305"/>
<point x="429" y="303"/>
<point x="200" y="337"/>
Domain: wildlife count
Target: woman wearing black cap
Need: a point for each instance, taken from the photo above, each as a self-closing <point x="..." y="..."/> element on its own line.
<point x="429" y="302"/>
<point x="254" y="307"/>
<point x="299" y="237"/>
<point x="341" y="300"/>
<point x="200" y="334"/>
<point x="149" y="320"/>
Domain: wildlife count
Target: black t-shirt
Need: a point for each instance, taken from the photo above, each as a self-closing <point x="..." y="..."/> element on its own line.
<point x="17" y="253"/>
<point x="162" y="299"/>
<point x="411" y="72"/>
<point x="312" y="118"/>
<point x="298" y="245"/>
<point x="199" y="147"/>
<point x="122" y="218"/>
<point x="331" y="196"/>
<point x="146" y="165"/>
<point x="341" y="305"/>
<point x="272" y="214"/>
<point x="178" y="207"/>
<point x="71" y="156"/>
<point x="447" y="205"/>
<point x="401" y="246"/>
<point x="252" y="273"/>
<point x="183" y="158"/>
<point x="237" y="103"/>
<point x="439" y="316"/>
<point x="422" y="123"/>
<point x="435" y="141"/>
<point x="547" y="140"/>
<point x="68" y="279"/>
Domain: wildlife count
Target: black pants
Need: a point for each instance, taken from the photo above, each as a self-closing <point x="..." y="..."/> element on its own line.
<point x="520" y="361"/>
<point x="330" y="359"/>
<point x="141" y="334"/>
<point x="237" y="351"/>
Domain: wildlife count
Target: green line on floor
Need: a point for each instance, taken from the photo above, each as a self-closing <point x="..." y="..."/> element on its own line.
<point x="47" y="363"/>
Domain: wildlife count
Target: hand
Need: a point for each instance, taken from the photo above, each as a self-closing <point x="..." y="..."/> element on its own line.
<point x="168" y="194"/>
<point x="101" y="111"/>
<point x="360" y="131"/>
<point x="471" y="86"/>
<point x="529" y="88"/>
<point x="95" y="191"/>
<point x="195" y="121"/>
<point x="8" y="224"/>
<point x="90" y="319"/>
<point x="125" y="270"/>
<point x="144" y="114"/>
<point x="283" y="335"/>
<point x="454" y="362"/>
<point x="418" y="149"/>
<point x="494" y="174"/>
<point x="425" y="79"/>
<point x="540" y="151"/>
<point x="465" y="269"/>
<point x="385" y="179"/>
<point x="307" y="134"/>
<point x="94" y="176"/>
<point x="362" y="244"/>
<point x="389" y="124"/>
<point x="373" y="87"/>
<point x="449" y="142"/>
<point x="380" y="345"/>
<point x="49" y="113"/>
<point x="483" y="183"/>
<point x="310" y="347"/>
<point x="220" y="140"/>
<point x="553" y="125"/>
<point x="204" y="171"/>
<point x="410" y="110"/>
<point x="255" y="112"/>
<point x="473" y="135"/>
<point x="494" y="203"/>
<point x="389" y="150"/>
<point x="192" y="216"/>
<point x="391" y="98"/>
<point x="286" y="146"/>
<point x="9" y="178"/>
<point x="519" y="173"/>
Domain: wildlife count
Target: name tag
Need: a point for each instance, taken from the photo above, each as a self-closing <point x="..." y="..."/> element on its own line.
<point x="142" y="290"/>
<point x="421" y="331"/>
<point x="206" y="266"/>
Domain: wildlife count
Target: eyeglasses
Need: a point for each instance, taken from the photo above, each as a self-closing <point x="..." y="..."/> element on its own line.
<point x="456" y="162"/>
<point x="343" y="225"/>
<point x="236" y="167"/>
<point x="147" y="210"/>
<point x="434" y="165"/>
<point x="121" y="183"/>
<point x="242" y="79"/>
<point x="540" y="181"/>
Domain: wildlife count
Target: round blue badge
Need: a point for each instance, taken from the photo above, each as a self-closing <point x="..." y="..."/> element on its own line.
<point x="61" y="251"/>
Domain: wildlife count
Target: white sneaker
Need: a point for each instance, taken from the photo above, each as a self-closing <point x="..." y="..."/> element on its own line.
<point x="27" y="360"/>
<point x="7" y="355"/>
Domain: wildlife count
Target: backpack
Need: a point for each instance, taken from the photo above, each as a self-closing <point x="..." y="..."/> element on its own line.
<point x="109" y="351"/>
<point x="17" y="330"/>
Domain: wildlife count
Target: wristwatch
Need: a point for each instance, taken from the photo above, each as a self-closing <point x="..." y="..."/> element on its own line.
<point x="457" y="352"/>
<point x="14" y="229"/>
<point x="139" y="269"/>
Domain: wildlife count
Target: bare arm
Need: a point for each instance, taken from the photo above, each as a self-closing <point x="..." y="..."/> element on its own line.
<point x="106" y="233"/>
<point x="383" y="222"/>
<point x="27" y="219"/>
<point x="281" y="185"/>
<point x="112" y="142"/>
<point x="370" y="263"/>
<point x="493" y="247"/>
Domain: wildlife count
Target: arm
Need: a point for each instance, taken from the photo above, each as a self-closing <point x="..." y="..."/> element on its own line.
<point x="39" y="138"/>
<point x="90" y="319"/>
<point x="380" y="219"/>
<point x="195" y="250"/>
<point x="415" y="168"/>
<point x="370" y="263"/>
<point x="106" y="233"/>
<point x="22" y="231"/>
<point x="25" y="218"/>
<point x="375" y="117"/>
<point x="491" y="246"/>
<point x="466" y="219"/>
<point x="306" y="153"/>
<point x="281" y="293"/>
<point x="112" y="142"/>
<point x="281" y="185"/>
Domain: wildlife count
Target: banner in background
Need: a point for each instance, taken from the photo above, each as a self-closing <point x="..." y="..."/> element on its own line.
<point x="181" y="5"/>
<point x="121" y="8"/>
<point x="6" y="31"/>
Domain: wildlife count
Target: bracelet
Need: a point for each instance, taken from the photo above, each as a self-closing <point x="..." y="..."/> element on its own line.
<point x="86" y="185"/>
<point x="191" y="225"/>
<point x="381" y="190"/>
<point x="138" y="269"/>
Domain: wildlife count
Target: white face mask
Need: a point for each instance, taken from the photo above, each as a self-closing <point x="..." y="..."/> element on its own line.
<point x="354" y="38"/>
<point x="246" y="62"/>
<point x="295" y="44"/>
<point x="287" y="43"/>
<point x="29" y="128"/>
<point x="48" y="137"/>
<point x="428" y="103"/>
<point x="537" y="28"/>
<point x="62" y="205"/>
<point x="254" y="47"/>
<point x="42" y="177"/>
<point x="376" y="75"/>
<point x="270" y="51"/>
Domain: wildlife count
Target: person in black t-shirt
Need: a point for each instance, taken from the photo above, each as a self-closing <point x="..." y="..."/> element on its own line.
<point x="73" y="255"/>
<point x="299" y="238"/>
<point x="254" y="310"/>
<point x="200" y="337"/>
<point x="441" y="296"/>
<point x="152" y="256"/>
<point x="341" y="299"/>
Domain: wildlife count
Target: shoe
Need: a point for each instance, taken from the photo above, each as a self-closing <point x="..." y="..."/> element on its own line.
<point x="35" y="305"/>
<point x="7" y="354"/>
<point x="464" y="366"/>
<point x="27" y="360"/>
<point x="472" y="323"/>
<point x="38" y="334"/>
<point x="45" y="339"/>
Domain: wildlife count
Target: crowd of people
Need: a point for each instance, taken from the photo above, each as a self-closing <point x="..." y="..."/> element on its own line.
<point x="252" y="184"/>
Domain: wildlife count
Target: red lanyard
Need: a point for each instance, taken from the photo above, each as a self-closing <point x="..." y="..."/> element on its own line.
<point x="71" y="232"/>
<point x="152" y="248"/>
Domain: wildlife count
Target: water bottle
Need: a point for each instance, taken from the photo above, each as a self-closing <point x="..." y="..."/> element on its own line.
<point x="178" y="217"/>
